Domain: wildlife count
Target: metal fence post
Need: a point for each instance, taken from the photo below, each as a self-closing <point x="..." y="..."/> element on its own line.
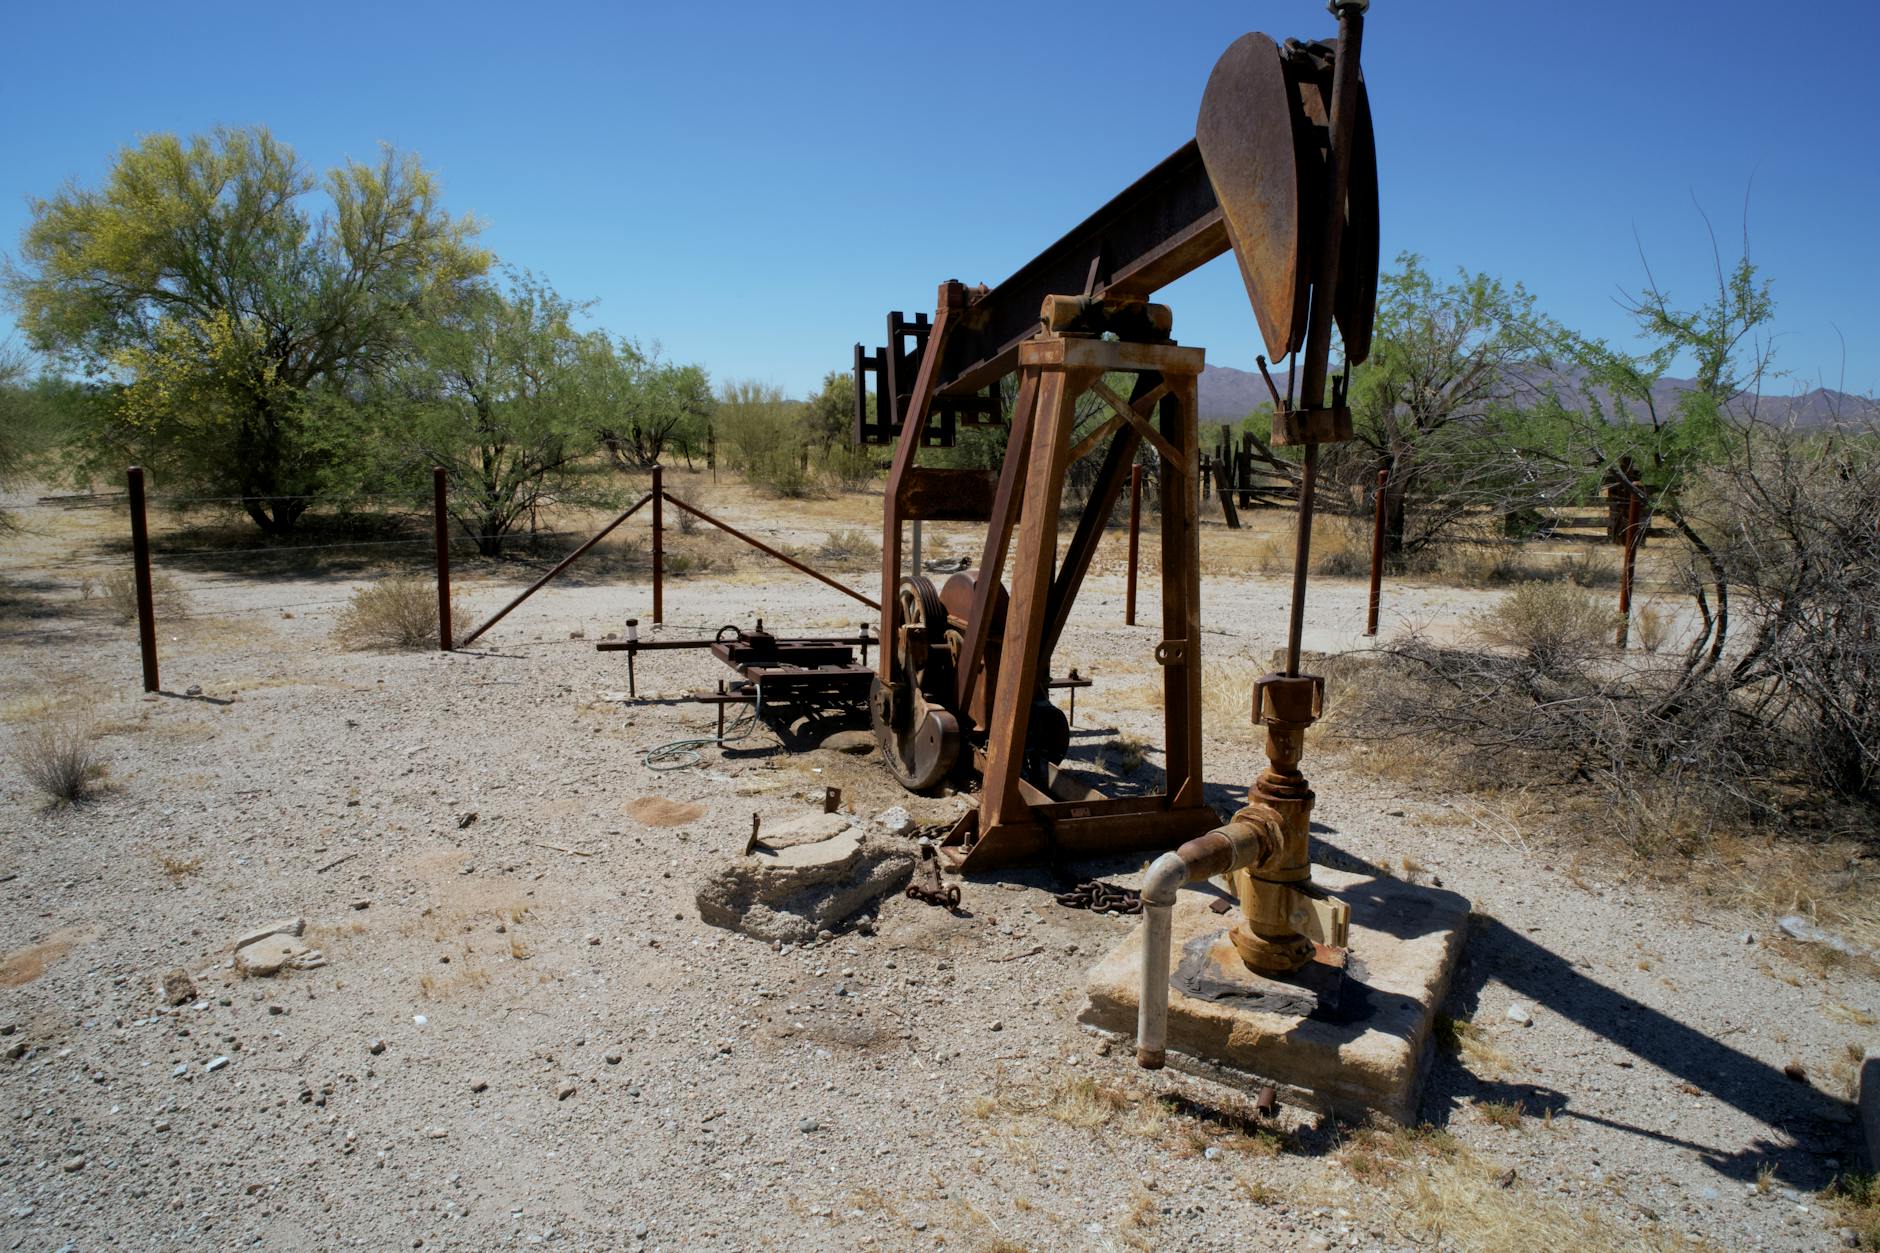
<point x="140" y="565"/>
<point x="1377" y="556"/>
<point x="659" y="545"/>
<point x="1625" y="571"/>
<point x="441" y="523"/>
<point x="1135" y="531"/>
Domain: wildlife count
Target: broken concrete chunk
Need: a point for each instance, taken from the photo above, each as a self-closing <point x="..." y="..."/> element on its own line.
<point x="286" y="926"/>
<point x="895" y="820"/>
<point x="276" y="953"/>
<point x="811" y="828"/>
<point x="791" y="894"/>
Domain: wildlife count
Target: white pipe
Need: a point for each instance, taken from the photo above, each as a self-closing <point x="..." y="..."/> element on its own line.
<point x="1159" y="887"/>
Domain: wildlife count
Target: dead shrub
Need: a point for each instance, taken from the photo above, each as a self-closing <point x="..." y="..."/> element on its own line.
<point x="1593" y="566"/>
<point x="117" y="594"/>
<point x="1556" y="627"/>
<point x="394" y="613"/>
<point x="1653" y="628"/>
<point x="850" y="546"/>
<point x="60" y="759"/>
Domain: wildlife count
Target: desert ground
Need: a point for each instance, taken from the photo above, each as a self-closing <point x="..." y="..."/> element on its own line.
<point x="522" y="1033"/>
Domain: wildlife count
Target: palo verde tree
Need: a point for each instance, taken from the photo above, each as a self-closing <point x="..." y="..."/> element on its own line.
<point x="647" y="407"/>
<point x="216" y="289"/>
<point x="504" y="393"/>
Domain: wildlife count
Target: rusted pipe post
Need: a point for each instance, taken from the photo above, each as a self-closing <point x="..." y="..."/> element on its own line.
<point x="440" y="522"/>
<point x="140" y="566"/>
<point x="1377" y="556"/>
<point x="1625" y="571"/>
<point x="659" y="545"/>
<point x="1135" y="531"/>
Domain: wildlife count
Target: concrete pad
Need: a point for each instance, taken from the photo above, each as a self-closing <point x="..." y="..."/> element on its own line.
<point x="1370" y="1058"/>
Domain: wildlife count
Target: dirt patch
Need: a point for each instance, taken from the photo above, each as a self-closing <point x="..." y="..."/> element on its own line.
<point x="21" y="967"/>
<point x="658" y="811"/>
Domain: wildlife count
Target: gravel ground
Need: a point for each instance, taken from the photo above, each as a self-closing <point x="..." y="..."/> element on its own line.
<point x="523" y="1035"/>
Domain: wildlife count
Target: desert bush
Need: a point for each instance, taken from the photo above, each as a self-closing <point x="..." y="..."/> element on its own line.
<point x="1341" y="548"/>
<point x="849" y="545"/>
<point x="688" y="523"/>
<point x="60" y="759"/>
<point x="394" y="613"/>
<point x="1593" y="565"/>
<point x="1555" y="627"/>
<point x="117" y="593"/>
<point x="679" y="564"/>
<point x="849" y="468"/>
<point x="1467" y="564"/>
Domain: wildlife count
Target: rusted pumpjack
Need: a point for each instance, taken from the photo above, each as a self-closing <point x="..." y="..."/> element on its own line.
<point x="1282" y="171"/>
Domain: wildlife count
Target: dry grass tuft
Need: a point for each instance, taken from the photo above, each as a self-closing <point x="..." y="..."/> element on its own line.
<point x="395" y="613"/>
<point x="177" y="869"/>
<point x="117" y="594"/>
<point x="60" y="760"/>
<point x="1465" y="1203"/>
<point x="1342" y="549"/>
<point x="1123" y="755"/>
<point x="1503" y="1114"/>
<point x="1462" y="1039"/>
<point x="851" y="547"/>
<point x="1652" y="628"/>
<point x="1855" y="1199"/>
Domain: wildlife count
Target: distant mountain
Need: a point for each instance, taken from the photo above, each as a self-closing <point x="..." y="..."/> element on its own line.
<point x="1228" y="395"/>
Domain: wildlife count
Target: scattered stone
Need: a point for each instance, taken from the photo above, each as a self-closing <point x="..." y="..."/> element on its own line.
<point x="194" y="689"/>
<point x="592" y="938"/>
<point x="855" y="742"/>
<point x="480" y="1086"/>
<point x="286" y="926"/>
<point x="895" y="820"/>
<point x="273" y="953"/>
<point x="564" y="1092"/>
<point x="214" y="1064"/>
<point x="807" y="1125"/>
<point x="612" y="1057"/>
<point x="72" y="1165"/>
<point x="1796" y="1071"/>
<point x="376" y="1047"/>
<point x="1519" y="1016"/>
<point x="996" y="1025"/>
<point x="162" y="1124"/>
<point x="178" y="987"/>
<point x="795" y="894"/>
<point x="362" y="903"/>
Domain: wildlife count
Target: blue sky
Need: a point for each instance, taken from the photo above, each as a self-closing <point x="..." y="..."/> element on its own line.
<point x="755" y="186"/>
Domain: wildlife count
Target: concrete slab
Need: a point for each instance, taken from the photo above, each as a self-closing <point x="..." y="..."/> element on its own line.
<point x="1370" y="1058"/>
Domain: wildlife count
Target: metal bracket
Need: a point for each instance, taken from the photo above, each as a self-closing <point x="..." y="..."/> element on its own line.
<point x="1171" y="653"/>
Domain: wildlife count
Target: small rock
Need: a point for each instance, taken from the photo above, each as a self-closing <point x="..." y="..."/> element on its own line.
<point x="1211" y="1152"/>
<point x="612" y="1057"/>
<point x="376" y="1047"/>
<point x="895" y="820"/>
<point x="996" y="1025"/>
<point x="593" y="939"/>
<point x="362" y="903"/>
<point x="480" y="1086"/>
<point x="807" y="1125"/>
<point x="1519" y="1016"/>
<point x="564" y="1092"/>
<point x="177" y="987"/>
<point x="215" y="1063"/>
<point x="72" y="1165"/>
<point x="194" y="689"/>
